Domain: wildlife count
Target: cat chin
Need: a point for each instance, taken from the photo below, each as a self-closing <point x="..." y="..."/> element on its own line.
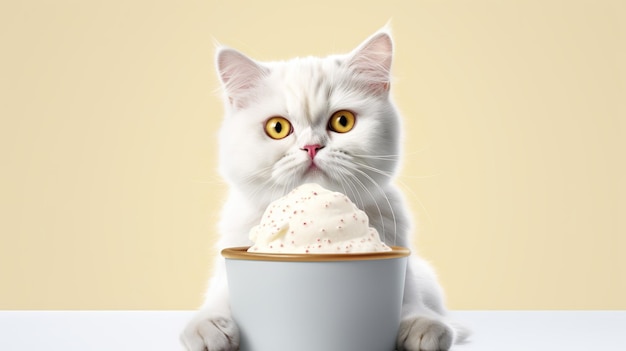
<point x="310" y="175"/>
<point x="314" y="175"/>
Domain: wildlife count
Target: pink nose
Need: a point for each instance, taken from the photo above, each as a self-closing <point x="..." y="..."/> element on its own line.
<point x="312" y="149"/>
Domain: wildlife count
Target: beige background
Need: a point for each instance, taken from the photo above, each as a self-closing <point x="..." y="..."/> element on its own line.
<point x="515" y="151"/>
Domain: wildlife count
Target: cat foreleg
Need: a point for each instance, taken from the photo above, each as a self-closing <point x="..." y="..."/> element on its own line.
<point x="212" y="328"/>
<point x="424" y="326"/>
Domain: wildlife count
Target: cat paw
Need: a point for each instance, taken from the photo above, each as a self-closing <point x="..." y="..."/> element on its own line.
<point x="424" y="334"/>
<point x="211" y="334"/>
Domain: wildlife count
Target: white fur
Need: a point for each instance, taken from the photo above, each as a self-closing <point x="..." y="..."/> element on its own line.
<point x="360" y="163"/>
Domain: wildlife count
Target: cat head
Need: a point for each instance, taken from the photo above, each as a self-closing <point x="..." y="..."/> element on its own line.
<point x="325" y="120"/>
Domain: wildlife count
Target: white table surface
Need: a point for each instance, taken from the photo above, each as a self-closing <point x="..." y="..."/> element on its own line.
<point x="159" y="330"/>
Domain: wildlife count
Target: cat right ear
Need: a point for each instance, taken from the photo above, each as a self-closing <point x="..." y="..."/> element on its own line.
<point x="239" y="74"/>
<point x="372" y="61"/>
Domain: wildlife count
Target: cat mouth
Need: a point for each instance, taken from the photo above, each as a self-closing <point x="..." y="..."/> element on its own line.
<point x="313" y="169"/>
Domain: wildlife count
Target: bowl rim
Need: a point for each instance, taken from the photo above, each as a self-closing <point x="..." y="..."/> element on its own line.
<point x="241" y="253"/>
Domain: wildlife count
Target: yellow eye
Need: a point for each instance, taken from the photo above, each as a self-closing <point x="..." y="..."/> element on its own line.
<point x="277" y="128"/>
<point x="342" y="121"/>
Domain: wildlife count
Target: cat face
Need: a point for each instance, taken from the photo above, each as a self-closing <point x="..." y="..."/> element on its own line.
<point x="324" y="120"/>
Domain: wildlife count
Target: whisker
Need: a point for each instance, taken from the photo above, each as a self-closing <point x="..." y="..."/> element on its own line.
<point x="341" y="180"/>
<point x="380" y="213"/>
<point x="378" y="157"/>
<point x="420" y="177"/>
<point x="351" y="186"/>
<point x="214" y="180"/>
<point x="393" y="215"/>
<point x="357" y="198"/>
<point x="374" y="169"/>
<point x="347" y="165"/>
<point x="414" y="195"/>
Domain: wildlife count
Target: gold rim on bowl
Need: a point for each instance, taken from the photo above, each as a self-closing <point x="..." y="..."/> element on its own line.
<point x="241" y="253"/>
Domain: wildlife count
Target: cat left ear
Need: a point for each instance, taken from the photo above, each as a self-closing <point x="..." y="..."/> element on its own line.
<point x="239" y="74"/>
<point x="372" y="61"/>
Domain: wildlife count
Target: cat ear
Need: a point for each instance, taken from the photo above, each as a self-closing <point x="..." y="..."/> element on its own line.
<point x="239" y="74"/>
<point x="372" y="61"/>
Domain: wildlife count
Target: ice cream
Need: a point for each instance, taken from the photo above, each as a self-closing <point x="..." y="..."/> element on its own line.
<point x="312" y="219"/>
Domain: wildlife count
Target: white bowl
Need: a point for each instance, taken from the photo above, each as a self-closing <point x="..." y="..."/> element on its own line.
<point x="316" y="302"/>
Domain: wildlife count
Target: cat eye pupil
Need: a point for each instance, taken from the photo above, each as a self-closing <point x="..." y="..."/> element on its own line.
<point x="343" y="120"/>
<point x="278" y="127"/>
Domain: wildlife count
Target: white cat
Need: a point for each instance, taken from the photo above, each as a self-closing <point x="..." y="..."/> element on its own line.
<point x="325" y="120"/>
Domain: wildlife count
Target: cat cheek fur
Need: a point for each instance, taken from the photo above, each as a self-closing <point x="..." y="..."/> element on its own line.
<point x="246" y="152"/>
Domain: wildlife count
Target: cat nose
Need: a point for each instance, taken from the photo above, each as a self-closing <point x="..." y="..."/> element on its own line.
<point x="312" y="149"/>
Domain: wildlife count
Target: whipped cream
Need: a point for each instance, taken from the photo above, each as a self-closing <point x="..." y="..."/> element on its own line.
<point x="312" y="219"/>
